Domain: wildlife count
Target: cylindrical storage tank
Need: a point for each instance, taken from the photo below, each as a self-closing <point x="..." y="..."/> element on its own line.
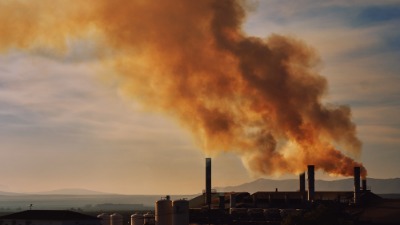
<point x="180" y="209"/>
<point x="137" y="219"/>
<point x="163" y="214"/>
<point x="116" y="219"/>
<point x="104" y="218"/>
<point x="149" y="219"/>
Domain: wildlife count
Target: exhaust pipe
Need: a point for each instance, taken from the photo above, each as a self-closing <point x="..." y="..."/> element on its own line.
<point x="357" y="172"/>
<point x="311" y="183"/>
<point x="364" y="184"/>
<point x="208" y="182"/>
<point x="302" y="179"/>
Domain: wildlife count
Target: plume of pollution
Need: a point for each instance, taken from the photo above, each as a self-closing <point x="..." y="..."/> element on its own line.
<point x="260" y="98"/>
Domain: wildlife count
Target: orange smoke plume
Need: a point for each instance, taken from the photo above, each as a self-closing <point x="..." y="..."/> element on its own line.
<point x="259" y="98"/>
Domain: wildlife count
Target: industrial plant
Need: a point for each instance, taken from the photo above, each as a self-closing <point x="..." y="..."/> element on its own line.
<point x="212" y="207"/>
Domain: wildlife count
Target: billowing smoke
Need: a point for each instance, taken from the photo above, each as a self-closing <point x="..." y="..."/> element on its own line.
<point x="259" y="98"/>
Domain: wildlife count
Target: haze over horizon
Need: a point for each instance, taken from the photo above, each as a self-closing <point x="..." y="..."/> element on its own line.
<point x="65" y="121"/>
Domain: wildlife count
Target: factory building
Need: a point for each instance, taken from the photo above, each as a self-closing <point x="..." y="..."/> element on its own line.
<point x="274" y="205"/>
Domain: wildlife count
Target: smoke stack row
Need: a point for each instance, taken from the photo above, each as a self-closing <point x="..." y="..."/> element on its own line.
<point x="311" y="183"/>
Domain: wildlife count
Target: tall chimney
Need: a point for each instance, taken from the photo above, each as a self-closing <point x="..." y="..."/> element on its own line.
<point x="364" y="184"/>
<point x="356" y="185"/>
<point x="302" y="178"/>
<point x="311" y="186"/>
<point x="208" y="182"/>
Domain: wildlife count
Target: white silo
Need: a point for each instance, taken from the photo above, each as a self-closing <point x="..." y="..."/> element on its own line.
<point x="149" y="219"/>
<point x="137" y="219"/>
<point x="180" y="209"/>
<point x="163" y="212"/>
<point x="104" y="218"/>
<point x="116" y="219"/>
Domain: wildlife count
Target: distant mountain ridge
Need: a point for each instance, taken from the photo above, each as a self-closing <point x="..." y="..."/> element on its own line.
<point x="378" y="186"/>
<point x="64" y="191"/>
<point x="71" y="191"/>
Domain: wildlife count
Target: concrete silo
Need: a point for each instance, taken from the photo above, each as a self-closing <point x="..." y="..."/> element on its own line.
<point x="163" y="212"/>
<point x="149" y="219"/>
<point x="137" y="219"/>
<point x="116" y="219"/>
<point x="104" y="218"/>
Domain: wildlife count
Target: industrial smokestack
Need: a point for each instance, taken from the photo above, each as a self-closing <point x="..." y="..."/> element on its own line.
<point x="364" y="184"/>
<point x="302" y="179"/>
<point x="208" y="182"/>
<point x="357" y="172"/>
<point x="311" y="186"/>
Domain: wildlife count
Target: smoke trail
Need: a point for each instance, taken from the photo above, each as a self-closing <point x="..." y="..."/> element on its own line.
<point x="260" y="98"/>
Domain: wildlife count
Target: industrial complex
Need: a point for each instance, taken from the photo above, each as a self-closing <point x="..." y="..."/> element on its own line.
<point x="212" y="207"/>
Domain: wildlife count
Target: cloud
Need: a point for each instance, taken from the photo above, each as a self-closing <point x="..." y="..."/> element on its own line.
<point x="58" y="94"/>
<point x="373" y="14"/>
<point x="380" y="134"/>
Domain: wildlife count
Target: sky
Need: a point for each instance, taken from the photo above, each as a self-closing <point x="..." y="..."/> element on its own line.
<point x="66" y="123"/>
